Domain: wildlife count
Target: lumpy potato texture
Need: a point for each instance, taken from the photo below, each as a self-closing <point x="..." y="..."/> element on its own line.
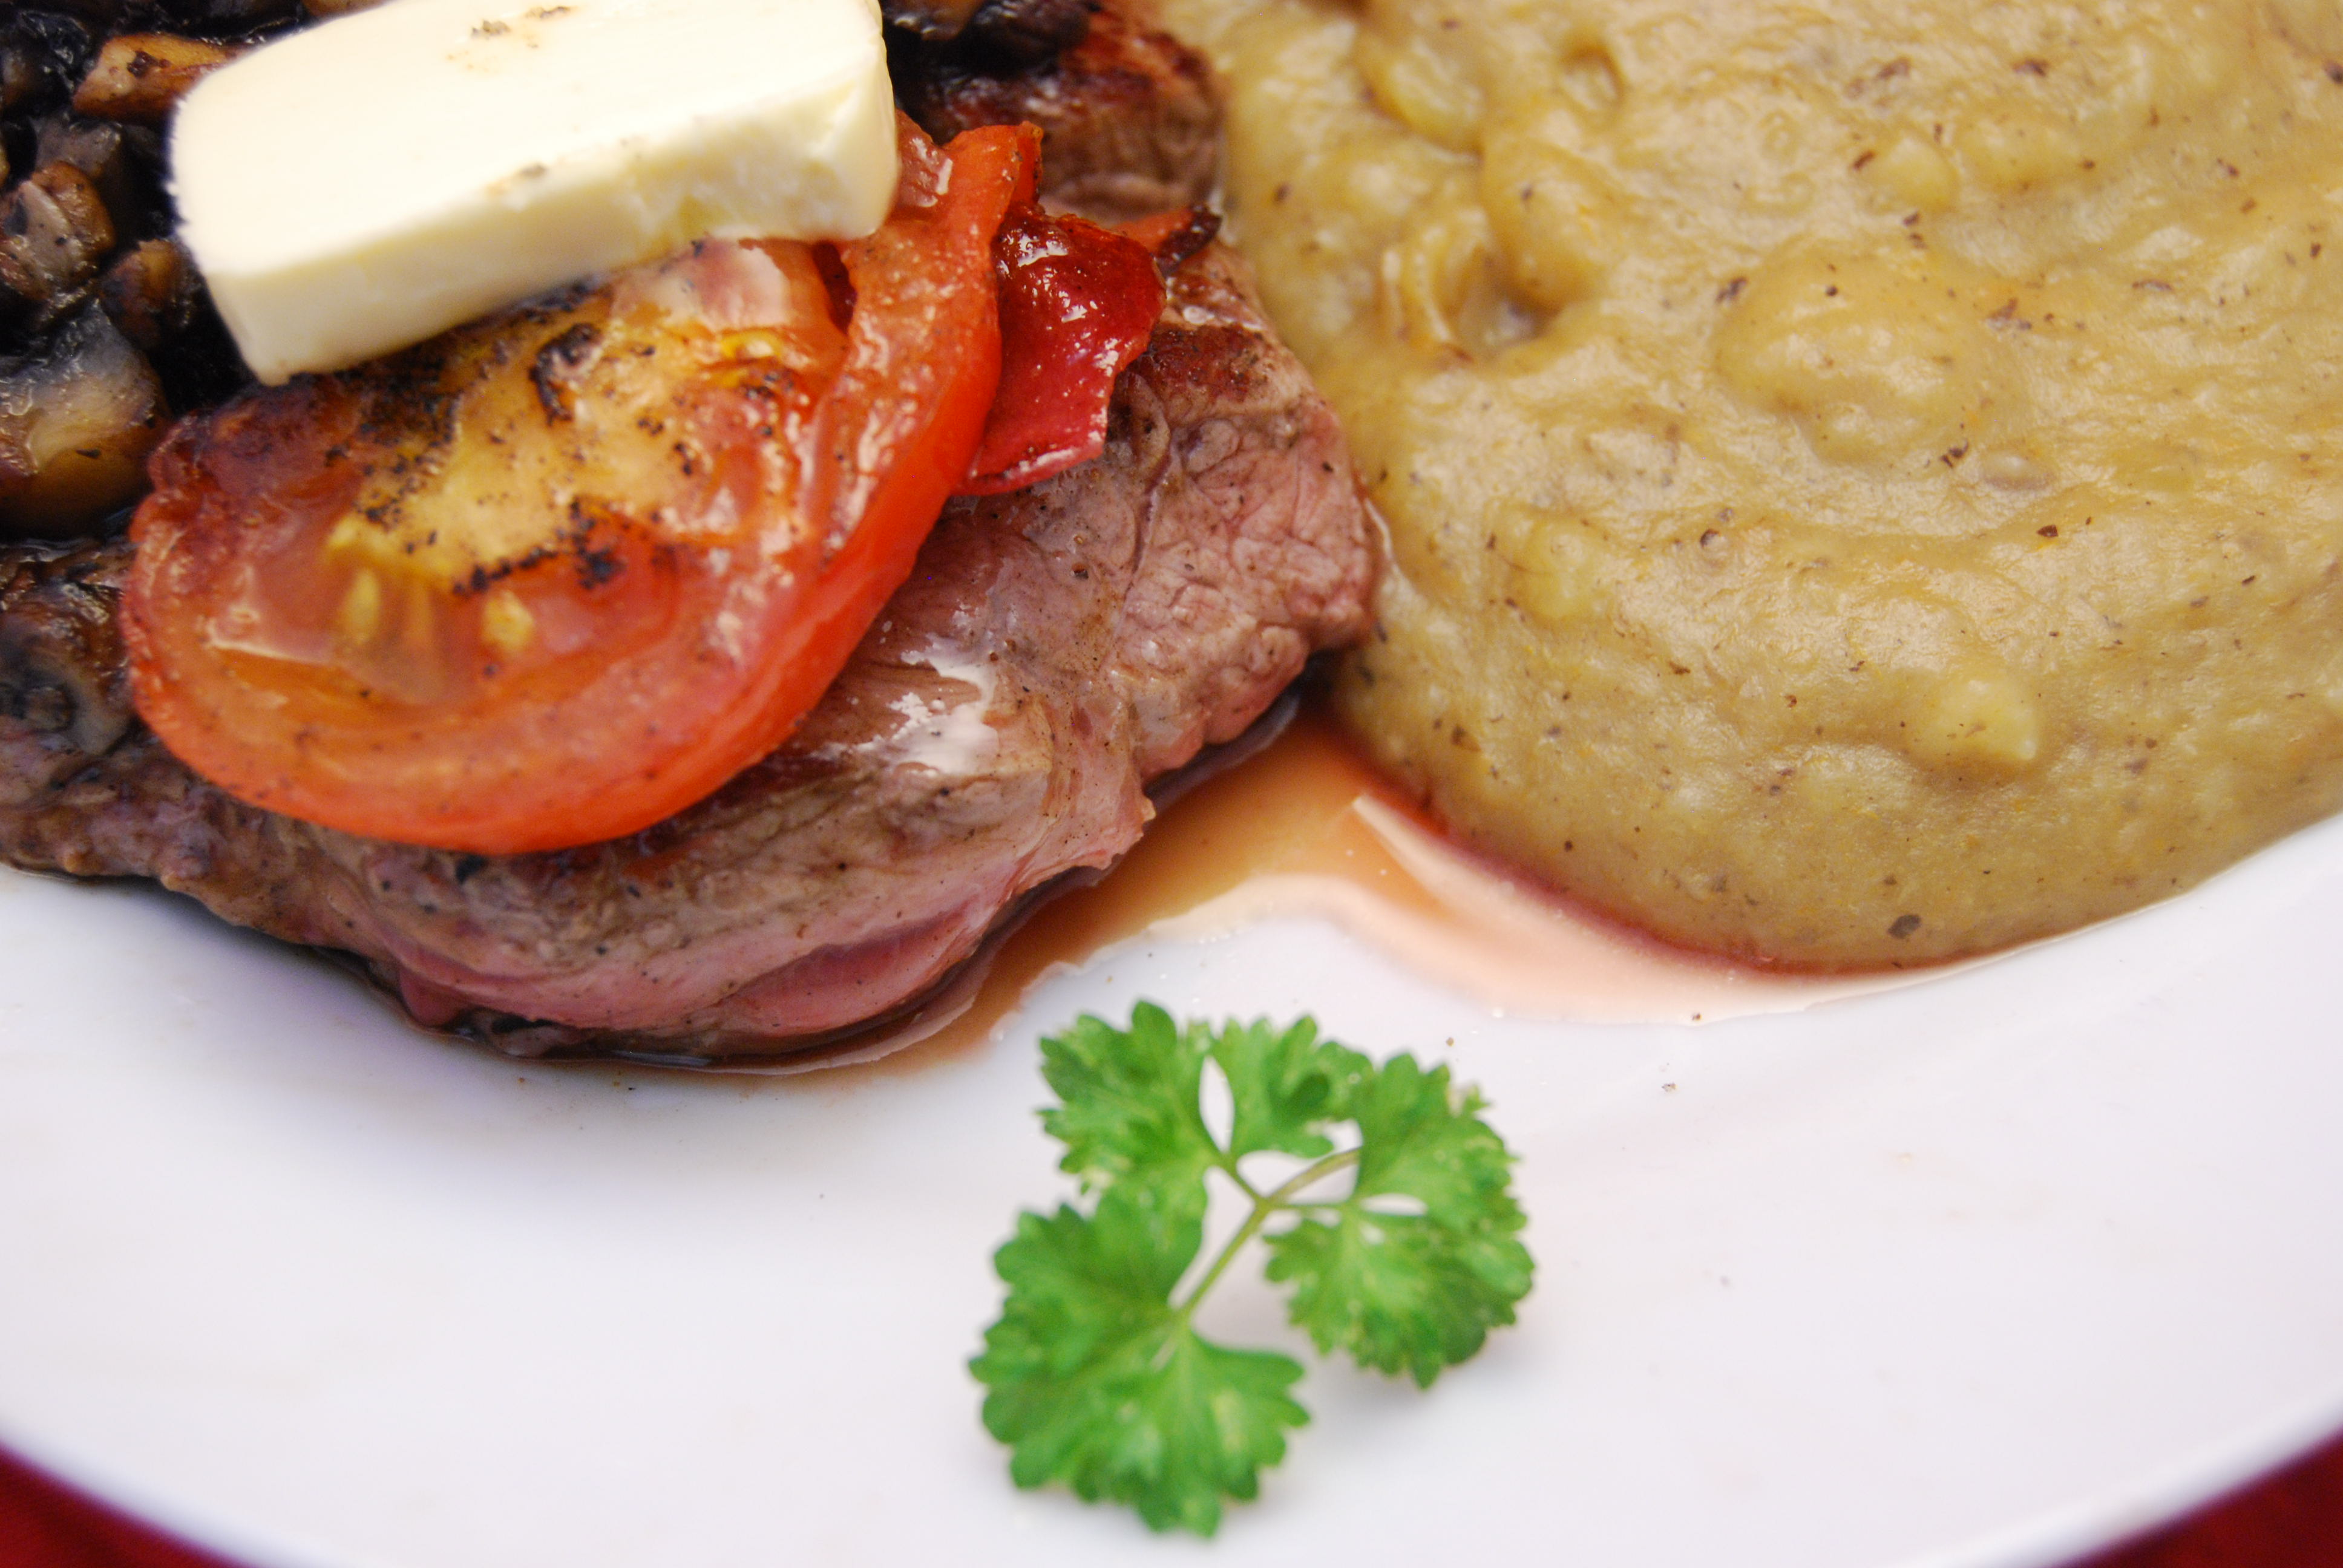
<point x="1862" y="476"/>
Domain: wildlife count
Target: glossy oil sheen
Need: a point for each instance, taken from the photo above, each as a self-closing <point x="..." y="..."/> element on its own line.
<point x="1308" y="828"/>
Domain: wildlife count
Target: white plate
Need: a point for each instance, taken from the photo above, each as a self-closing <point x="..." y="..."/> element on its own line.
<point x="1984" y="1272"/>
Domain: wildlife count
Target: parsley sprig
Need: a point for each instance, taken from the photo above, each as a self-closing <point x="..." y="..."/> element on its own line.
<point x="1095" y="1374"/>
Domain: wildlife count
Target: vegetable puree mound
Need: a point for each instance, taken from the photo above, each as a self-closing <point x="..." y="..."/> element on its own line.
<point x="1862" y="477"/>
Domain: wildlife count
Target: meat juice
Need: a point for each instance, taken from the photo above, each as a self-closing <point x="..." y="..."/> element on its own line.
<point x="1307" y="828"/>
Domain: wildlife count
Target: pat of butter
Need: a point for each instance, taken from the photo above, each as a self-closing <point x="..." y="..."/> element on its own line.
<point x="365" y="184"/>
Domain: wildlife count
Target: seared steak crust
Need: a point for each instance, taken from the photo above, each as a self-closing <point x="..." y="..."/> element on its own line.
<point x="1055" y="650"/>
<point x="1130" y="122"/>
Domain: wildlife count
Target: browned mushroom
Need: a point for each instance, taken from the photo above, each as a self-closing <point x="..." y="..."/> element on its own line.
<point x="142" y="76"/>
<point x="1027" y="32"/>
<point x="935" y="19"/>
<point x="53" y="233"/>
<point x="989" y="35"/>
<point x="42" y="54"/>
<point x="152" y="292"/>
<point x="76" y="423"/>
<point x="124" y="162"/>
<point x="19" y="76"/>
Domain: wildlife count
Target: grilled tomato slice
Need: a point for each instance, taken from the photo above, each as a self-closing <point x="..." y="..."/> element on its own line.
<point x="552" y="576"/>
<point x="1078" y="304"/>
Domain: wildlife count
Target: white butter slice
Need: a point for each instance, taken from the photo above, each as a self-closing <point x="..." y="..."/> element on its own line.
<point x="360" y="185"/>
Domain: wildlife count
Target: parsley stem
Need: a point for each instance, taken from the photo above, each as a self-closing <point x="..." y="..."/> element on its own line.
<point x="1263" y="1206"/>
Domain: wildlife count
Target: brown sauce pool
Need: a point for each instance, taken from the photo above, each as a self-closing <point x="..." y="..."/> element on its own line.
<point x="1307" y="828"/>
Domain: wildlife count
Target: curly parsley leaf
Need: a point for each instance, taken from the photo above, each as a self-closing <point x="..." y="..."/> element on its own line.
<point x="1129" y="1108"/>
<point x="1094" y="1374"/>
<point x="1422" y="1259"/>
<point x="1098" y="1380"/>
<point x="1286" y="1084"/>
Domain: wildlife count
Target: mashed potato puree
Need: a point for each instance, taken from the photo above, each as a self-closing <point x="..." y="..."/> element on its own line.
<point x="1864" y="476"/>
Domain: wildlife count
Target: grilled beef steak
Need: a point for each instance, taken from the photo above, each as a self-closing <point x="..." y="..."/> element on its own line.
<point x="1129" y="122"/>
<point x="1055" y="650"/>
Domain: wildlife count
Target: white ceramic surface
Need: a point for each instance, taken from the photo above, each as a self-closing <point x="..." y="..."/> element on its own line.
<point x="1982" y="1271"/>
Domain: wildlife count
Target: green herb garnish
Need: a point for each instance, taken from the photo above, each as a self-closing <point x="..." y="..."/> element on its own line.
<point x="1096" y="1376"/>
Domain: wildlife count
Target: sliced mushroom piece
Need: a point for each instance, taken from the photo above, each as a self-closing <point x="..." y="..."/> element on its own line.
<point x="120" y="160"/>
<point x="142" y="76"/>
<point x="55" y="230"/>
<point x="936" y="20"/>
<point x="41" y="56"/>
<point x="225" y="18"/>
<point x="1015" y="33"/>
<point x="93" y="146"/>
<point x="152" y="292"/>
<point x="61" y="675"/>
<point x="19" y="76"/>
<point x="76" y="423"/>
